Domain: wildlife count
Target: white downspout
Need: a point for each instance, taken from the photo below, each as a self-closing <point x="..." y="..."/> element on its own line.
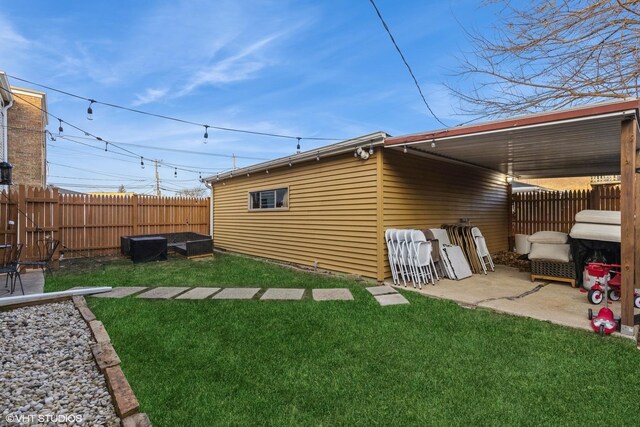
<point x="209" y="186"/>
<point x="5" y="134"/>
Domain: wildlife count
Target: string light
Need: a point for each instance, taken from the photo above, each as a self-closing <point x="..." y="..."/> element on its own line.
<point x="267" y="171"/>
<point x="298" y="146"/>
<point x="200" y="175"/>
<point x="206" y="134"/>
<point x="433" y="143"/>
<point x="97" y="138"/>
<point x="175" y="119"/>
<point x="371" y="149"/>
<point x="318" y="157"/>
<point x="90" y="110"/>
<point x="404" y="150"/>
<point x="142" y="162"/>
<point x="175" y="172"/>
<point x="51" y="137"/>
<point x="248" y="174"/>
<point x="290" y="163"/>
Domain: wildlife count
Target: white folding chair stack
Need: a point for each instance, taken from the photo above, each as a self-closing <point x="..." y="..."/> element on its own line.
<point x="423" y="266"/>
<point x="410" y="257"/>
<point x="482" y="250"/>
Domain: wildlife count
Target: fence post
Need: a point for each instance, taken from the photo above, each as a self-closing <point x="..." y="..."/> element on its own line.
<point x="594" y="198"/>
<point x="21" y="203"/>
<point x="134" y="214"/>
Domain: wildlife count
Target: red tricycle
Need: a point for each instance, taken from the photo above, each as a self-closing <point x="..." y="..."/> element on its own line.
<point x="608" y="279"/>
<point x="606" y="275"/>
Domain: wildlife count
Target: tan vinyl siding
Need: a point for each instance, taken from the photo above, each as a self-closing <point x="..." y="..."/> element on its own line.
<point x="331" y="216"/>
<point x="425" y="193"/>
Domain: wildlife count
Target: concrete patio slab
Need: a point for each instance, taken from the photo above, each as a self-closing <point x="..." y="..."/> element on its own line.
<point x="381" y="290"/>
<point x="162" y="293"/>
<point x="198" y="293"/>
<point x="391" y="299"/>
<point x="32" y="282"/>
<point x="283" y="294"/>
<point x="340" y="294"/>
<point x="510" y="291"/>
<point x="121" y="292"/>
<point x="236" y="293"/>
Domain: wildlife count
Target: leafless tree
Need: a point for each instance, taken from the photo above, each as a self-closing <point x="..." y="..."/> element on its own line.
<point x="192" y="192"/>
<point x="552" y="54"/>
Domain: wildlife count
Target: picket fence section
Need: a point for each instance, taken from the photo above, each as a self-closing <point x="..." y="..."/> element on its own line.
<point x="91" y="225"/>
<point x="556" y="210"/>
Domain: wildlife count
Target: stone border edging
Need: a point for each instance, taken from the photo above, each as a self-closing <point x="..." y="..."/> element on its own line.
<point x="124" y="400"/>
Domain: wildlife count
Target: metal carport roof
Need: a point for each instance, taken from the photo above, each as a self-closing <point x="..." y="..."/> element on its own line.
<point x="581" y="141"/>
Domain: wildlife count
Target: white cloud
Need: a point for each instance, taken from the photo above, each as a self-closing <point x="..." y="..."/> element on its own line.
<point x="150" y="95"/>
<point x="242" y="66"/>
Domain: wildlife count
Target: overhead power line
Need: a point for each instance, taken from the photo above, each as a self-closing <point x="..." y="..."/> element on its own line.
<point x="386" y="27"/>
<point x="175" y="119"/>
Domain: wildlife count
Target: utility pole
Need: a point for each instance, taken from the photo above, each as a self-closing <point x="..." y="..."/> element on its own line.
<point x="157" y="180"/>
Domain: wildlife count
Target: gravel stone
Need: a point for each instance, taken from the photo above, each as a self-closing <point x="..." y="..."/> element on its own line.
<point x="47" y="368"/>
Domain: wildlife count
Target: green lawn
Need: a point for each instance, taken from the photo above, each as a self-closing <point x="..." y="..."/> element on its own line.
<point x="203" y="363"/>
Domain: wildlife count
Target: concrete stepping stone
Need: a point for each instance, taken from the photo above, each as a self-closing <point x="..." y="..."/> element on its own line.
<point x="198" y="293"/>
<point x="381" y="290"/>
<point x="162" y="292"/>
<point x="236" y="293"/>
<point x="283" y="294"/>
<point x="340" y="294"/>
<point x="120" y="292"/>
<point x="391" y="299"/>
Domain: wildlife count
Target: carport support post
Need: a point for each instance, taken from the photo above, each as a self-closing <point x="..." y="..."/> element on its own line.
<point x="629" y="201"/>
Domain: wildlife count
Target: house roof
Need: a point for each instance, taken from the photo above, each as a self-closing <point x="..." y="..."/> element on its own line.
<point x="573" y="142"/>
<point x="5" y="95"/>
<point x="375" y="139"/>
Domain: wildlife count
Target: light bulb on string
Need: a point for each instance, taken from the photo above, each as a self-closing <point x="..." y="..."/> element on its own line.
<point x="175" y="173"/>
<point x="90" y="110"/>
<point x="200" y="176"/>
<point x="298" y="146"/>
<point x="205" y="138"/>
<point x="371" y="150"/>
<point x="404" y="150"/>
<point x="60" y="129"/>
<point x="106" y="146"/>
<point x="142" y="162"/>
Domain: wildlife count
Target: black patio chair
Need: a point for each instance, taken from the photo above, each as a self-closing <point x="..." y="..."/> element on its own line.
<point x="46" y="249"/>
<point x="10" y="266"/>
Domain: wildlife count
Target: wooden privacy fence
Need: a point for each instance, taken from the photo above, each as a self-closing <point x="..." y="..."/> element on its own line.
<point x="91" y="225"/>
<point x="556" y="210"/>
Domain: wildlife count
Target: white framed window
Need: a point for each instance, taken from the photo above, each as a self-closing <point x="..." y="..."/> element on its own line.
<point x="275" y="199"/>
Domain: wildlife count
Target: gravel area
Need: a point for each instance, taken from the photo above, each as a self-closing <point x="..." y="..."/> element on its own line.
<point x="48" y="375"/>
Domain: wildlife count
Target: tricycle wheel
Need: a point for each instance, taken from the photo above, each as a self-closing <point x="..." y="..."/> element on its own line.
<point x="595" y="297"/>
<point x="614" y="295"/>
<point x="636" y="302"/>
<point x="590" y="314"/>
<point x="601" y="330"/>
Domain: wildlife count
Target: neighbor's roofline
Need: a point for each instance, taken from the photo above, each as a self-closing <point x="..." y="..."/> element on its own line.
<point x="375" y="139"/>
<point x="522" y="121"/>
<point x="4" y="82"/>
<point x="35" y="93"/>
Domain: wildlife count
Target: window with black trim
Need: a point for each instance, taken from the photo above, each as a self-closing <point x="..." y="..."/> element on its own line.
<point x="269" y="199"/>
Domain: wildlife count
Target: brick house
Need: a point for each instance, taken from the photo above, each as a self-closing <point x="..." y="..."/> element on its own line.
<point x="23" y="140"/>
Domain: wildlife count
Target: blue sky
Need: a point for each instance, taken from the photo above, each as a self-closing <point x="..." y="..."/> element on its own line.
<point x="302" y="68"/>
